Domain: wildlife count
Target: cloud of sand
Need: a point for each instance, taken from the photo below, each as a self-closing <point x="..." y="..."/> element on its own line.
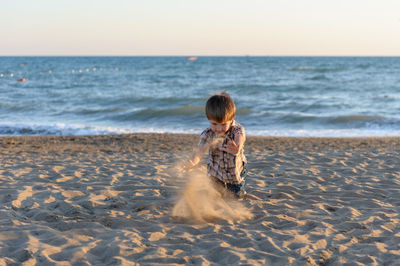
<point x="200" y="201"/>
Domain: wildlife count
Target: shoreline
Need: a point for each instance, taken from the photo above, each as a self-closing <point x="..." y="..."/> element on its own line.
<point x="271" y="142"/>
<point x="108" y="199"/>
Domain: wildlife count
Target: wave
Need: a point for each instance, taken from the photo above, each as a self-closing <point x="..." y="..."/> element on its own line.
<point x="182" y="111"/>
<point x="57" y="130"/>
<point x="357" y="118"/>
<point x="316" y="69"/>
<point x="312" y="121"/>
<point x="294" y="118"/>
<point x="91" y="111"/>
<point x="318" y="77"/>
<point x="178" y="111"/>
<point x="76" y="130"/>
<point x="298" y="117"/>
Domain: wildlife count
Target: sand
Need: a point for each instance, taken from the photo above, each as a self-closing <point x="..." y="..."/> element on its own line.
<point x="110" y="200"/>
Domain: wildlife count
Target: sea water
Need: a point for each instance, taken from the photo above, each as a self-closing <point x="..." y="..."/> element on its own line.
<point x="274" y="96"/>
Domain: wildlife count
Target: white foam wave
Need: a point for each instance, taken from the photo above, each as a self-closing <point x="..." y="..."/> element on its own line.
<point x="326" y="133"/>
<point x="58" y="129"/>
<point x="61" y="129"/>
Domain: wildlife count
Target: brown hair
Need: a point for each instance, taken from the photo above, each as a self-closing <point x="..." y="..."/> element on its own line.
<point x="220" y="108"/>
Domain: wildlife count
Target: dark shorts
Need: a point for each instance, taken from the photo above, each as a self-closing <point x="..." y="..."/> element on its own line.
<point x="237" y="189"/>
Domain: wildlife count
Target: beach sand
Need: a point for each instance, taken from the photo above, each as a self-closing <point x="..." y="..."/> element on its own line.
<point x="109" y="200"/>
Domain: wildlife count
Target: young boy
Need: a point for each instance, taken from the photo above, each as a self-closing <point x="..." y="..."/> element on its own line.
<point x="224" y="140"/>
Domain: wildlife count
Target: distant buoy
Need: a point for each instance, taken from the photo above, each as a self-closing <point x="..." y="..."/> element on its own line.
<point x="22" y="80"/>
<point x="192" y="58"/>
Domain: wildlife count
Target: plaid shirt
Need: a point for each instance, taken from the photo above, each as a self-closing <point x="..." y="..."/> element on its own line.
<point x="224" y="166"/>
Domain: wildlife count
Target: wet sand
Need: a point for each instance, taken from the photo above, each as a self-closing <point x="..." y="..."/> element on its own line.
<point x="108" y="200"/>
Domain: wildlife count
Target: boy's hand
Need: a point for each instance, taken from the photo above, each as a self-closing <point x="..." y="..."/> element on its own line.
<point x="231" y="147"/>
<point x="189" y="165"/>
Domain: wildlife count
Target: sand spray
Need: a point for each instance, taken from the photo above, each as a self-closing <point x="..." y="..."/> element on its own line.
<point x="201" y="201"/>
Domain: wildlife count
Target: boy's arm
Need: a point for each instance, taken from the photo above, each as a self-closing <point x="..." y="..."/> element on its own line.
<point x="199" y="151"/>
<point x="234" y="146"/>
<point x="196" y="157"/>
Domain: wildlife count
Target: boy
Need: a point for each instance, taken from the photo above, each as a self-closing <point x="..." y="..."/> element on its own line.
<point x="224" y="140"/>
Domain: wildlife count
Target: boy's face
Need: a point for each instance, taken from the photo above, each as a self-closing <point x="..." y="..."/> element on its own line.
<point x="220" y="128"/>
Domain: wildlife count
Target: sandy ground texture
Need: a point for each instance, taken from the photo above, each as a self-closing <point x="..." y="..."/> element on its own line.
<point x="110" y="200"/>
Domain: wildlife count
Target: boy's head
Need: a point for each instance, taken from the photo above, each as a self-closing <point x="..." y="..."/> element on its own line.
<point x="220" y="111"/>
<point x="220" y="108"/>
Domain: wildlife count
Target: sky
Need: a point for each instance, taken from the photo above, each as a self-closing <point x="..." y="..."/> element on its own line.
<point x="200" y="27"/>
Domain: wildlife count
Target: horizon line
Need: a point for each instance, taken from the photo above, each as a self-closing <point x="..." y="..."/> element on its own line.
<point x="193" y="55"/>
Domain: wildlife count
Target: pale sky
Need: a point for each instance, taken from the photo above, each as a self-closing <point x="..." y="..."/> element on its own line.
<point x="200" y="27"/>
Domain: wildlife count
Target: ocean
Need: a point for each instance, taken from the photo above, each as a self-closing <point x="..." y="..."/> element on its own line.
<point x="274" y="96"/>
